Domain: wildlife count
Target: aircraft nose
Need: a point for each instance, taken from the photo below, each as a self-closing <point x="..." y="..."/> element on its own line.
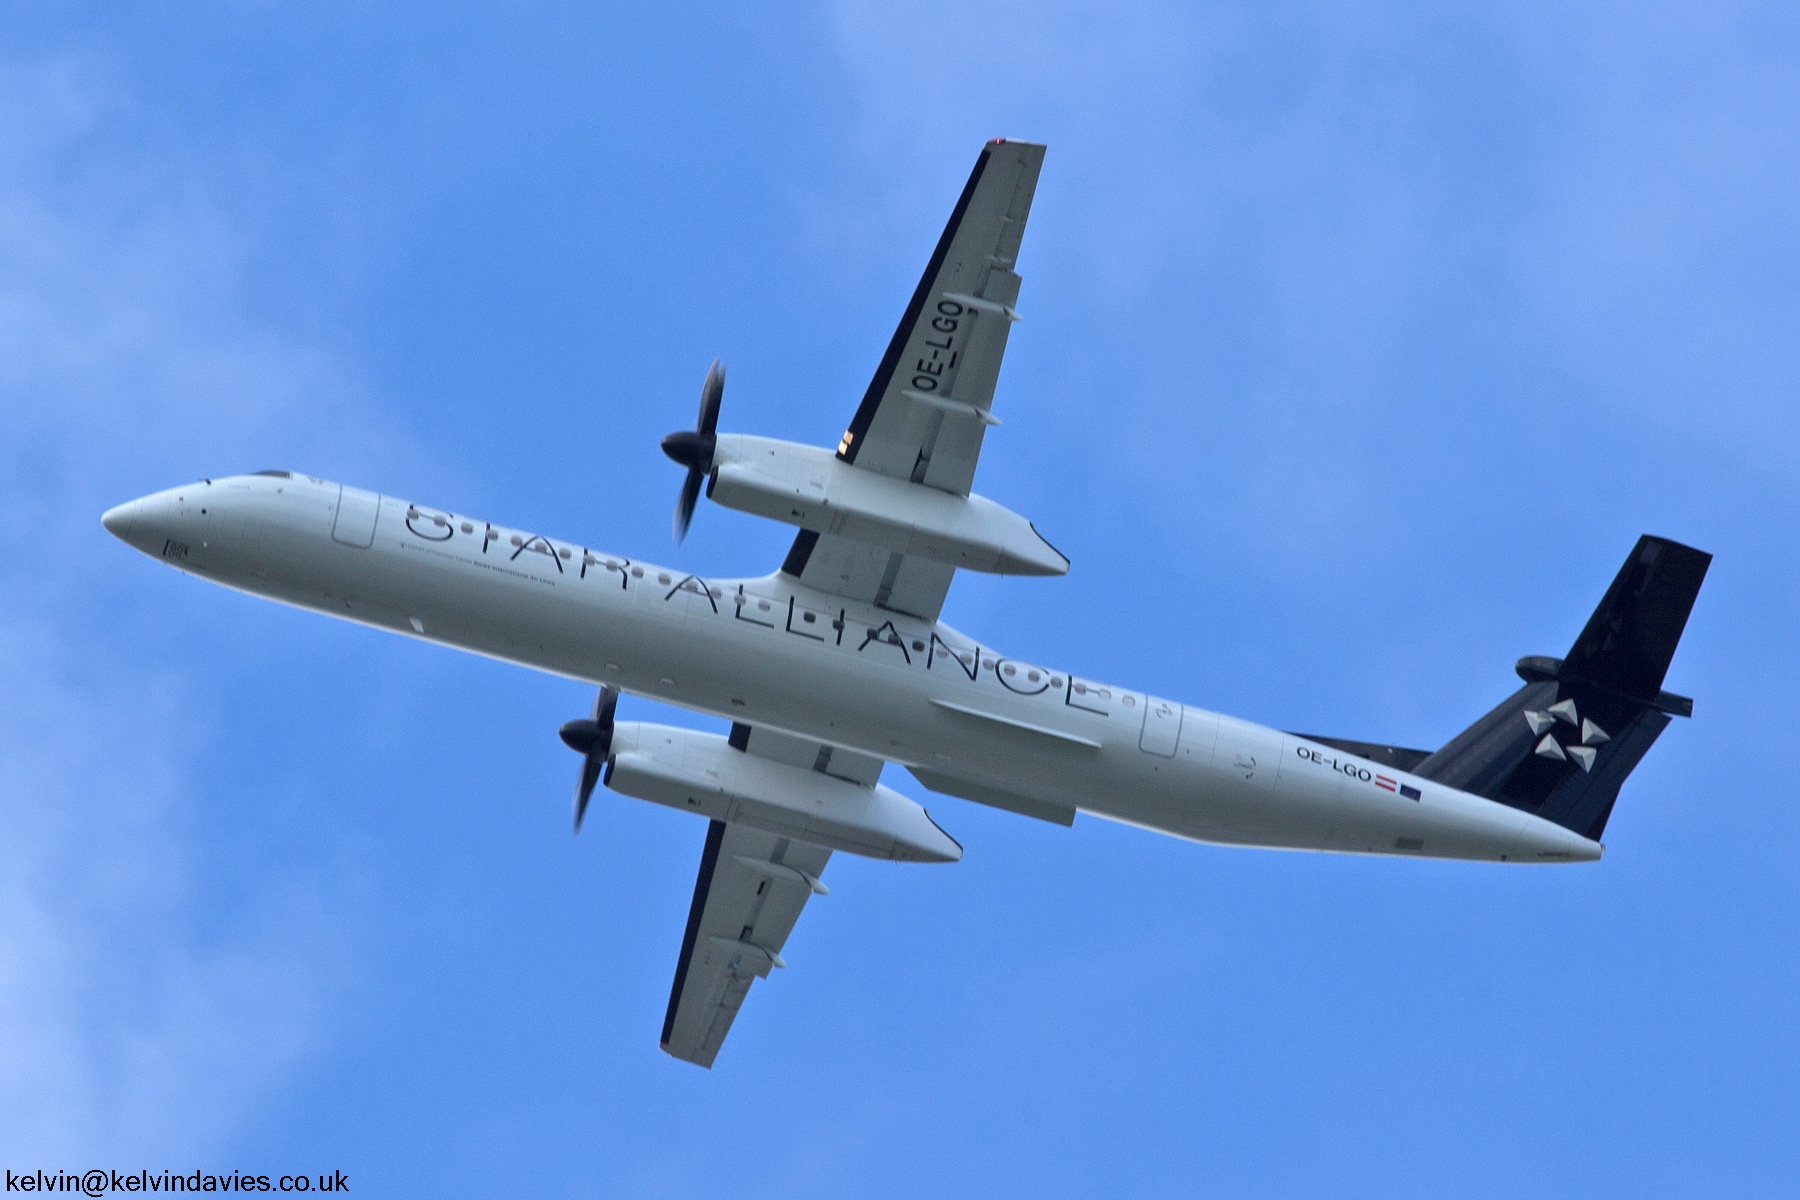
<point x="141" y="524"/>
<point x="122" y="521"/>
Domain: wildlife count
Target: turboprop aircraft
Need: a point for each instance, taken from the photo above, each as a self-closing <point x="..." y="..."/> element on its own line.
<point x="836" y="664"/>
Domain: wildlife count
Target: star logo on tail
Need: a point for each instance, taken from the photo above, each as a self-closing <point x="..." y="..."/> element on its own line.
<point x="1581" y="738"/>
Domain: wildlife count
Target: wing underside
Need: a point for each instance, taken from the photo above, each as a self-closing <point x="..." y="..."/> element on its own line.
<point x="749" y="892"/>
<point x="928" y="406"/>
<point x="922" y="420"/>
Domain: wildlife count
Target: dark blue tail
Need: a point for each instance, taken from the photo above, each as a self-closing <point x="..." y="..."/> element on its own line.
<point x="1561" y="746"/>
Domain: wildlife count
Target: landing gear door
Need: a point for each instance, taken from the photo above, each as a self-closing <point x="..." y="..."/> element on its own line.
<point x="1162" y="727"/>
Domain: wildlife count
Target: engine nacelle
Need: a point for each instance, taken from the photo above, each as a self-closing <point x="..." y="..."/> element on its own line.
<point x="811" y="488"/>
<point x="701" y="773"/>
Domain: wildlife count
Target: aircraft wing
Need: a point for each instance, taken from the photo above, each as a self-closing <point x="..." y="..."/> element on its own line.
<point x="927" y="408"/>
<point x="750" y="890"/>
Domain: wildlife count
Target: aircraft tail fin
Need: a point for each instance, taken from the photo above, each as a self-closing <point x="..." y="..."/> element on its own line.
<point x="1561" y="746"/>
<point x="1629" y="641"/>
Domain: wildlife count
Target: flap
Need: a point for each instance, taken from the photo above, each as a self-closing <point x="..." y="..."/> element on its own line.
<point x="1025" y="806"/>
<point x="869" y="574"/>
<point x="807" y="753"/>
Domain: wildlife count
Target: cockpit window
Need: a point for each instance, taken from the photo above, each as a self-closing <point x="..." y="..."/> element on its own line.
<point x="277" y="474"/>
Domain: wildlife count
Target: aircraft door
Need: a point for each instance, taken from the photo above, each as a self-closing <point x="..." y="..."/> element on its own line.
<point x="1162" y="727"/>
<point x="357" y="512"/>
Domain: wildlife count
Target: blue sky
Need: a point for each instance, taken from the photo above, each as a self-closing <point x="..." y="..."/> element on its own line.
<point x="1360" y="343"/>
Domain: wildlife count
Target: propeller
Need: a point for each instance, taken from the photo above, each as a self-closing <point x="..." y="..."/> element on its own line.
<point x="592" y="739"/>
<point x="694" y="449"/>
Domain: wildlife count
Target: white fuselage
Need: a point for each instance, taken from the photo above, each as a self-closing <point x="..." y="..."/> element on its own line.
<point x="773" y="652"/>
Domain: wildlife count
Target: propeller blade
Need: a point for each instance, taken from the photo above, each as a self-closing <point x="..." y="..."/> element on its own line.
<point x="592" y="739"/>
<point x="684" y="507"/>
<point x="590" y="775"/>
<point x="712" y="392"/>
<point x="694" y="448"/>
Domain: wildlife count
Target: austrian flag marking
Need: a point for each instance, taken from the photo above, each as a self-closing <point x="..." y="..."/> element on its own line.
<point x="1356" y="770"/>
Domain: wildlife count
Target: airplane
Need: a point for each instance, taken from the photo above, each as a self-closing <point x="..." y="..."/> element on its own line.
<point x="837" y="664"/>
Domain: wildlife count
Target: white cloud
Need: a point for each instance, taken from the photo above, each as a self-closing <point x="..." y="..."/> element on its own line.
<point x="135" y="1018"/>
<point x="129" y="1027"/>
<point x="1303" y="242"/>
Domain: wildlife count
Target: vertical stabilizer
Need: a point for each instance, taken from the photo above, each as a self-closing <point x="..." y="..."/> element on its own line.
<point x="1629" y="641"/>
<point x="1561" y="746"/>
